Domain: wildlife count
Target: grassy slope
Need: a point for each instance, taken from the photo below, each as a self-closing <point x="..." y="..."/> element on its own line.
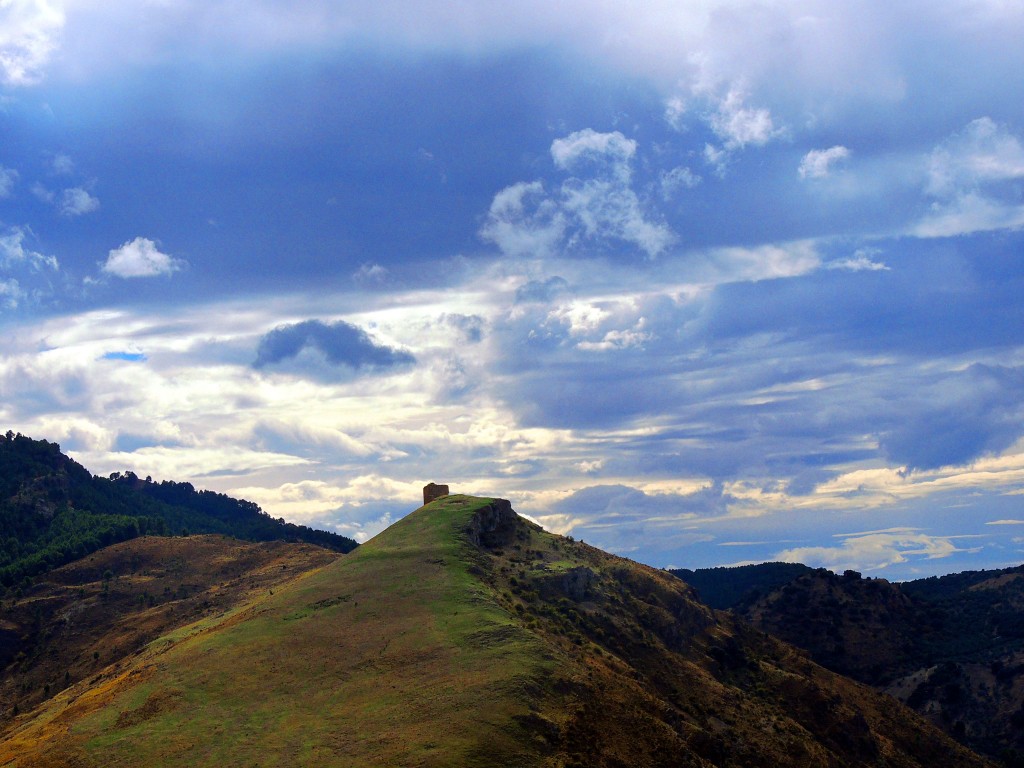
<point x="102" y="609"/>
<point x="391" y="654"/>
<point x="421" y="649"/>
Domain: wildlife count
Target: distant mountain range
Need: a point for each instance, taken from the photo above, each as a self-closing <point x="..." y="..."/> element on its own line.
<point x="950" y="647"/>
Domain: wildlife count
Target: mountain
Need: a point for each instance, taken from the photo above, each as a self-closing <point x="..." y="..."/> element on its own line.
<point x="53" y="511"/>
<point x="952" y="648"/>
<point x="81" y="618"/>
<point x="724" y="587"/>
<point x="466" y="636"/>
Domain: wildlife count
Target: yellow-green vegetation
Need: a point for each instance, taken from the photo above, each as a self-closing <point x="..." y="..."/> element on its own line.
<point x="466" y="636"/>
<point x="393" y="655"/>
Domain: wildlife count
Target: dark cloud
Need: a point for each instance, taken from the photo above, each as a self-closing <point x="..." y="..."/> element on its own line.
<point x="966" y="415"/>
<point x="340" y="344"/>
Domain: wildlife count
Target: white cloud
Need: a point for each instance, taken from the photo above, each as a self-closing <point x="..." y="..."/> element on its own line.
<point x="818" y="163"/>
<point x="968" y="178"/>
<point x="875" y="550"/>
<point x="77" y="201"/>
<point x="676" y="179"/>
<point x="41" y="193"/>
<point x="739" y="125"/>
<point x="370" y="273"/>
<point x="28" y="32"/>
<point x="13" y="252"/>
<point x="984" y="152"/>
<point x="140" y="258"/>
<point x="861" y="261"/>
<point x="523" y="221"/>
<point x="61" y="164"/>
<point x="10" y="293"/>
<point x="597" y="204"/>
<point x="613" y="148"/>
<point x="8" y="177"/>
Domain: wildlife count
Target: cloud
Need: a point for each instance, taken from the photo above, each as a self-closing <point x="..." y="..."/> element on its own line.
<point x="8" y="178"/>
<point x="958" y="418"/>
<point x="680" y="177"/>
<point x="140" y="258"/>
<point x="971" y="177"/>
<point x="523" y="221"/>
<point x="28" y="35"/>
<point x="608" y="150"/>
<point x="739" y="125"/>
<point x="818" y="163"/>
<point x="62" y="165"/>
<point x="13" y="252"/>
<point x="340" y="343"/>
<point x="370" y="273"/>
<point x="860" y="261"/>
<point x="77" y="201"/>
<point x="597" y="207"/>
<point x="542" y="291"/>
<point x="983" y="153"/>
<point x="875" y="550"/>
<point x="11" y="293"/>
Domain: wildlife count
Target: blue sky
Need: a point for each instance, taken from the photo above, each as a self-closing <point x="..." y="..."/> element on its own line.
<point x="699" y="283"/>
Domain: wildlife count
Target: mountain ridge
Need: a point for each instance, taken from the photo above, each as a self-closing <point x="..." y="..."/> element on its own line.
<point x="950" y="647"/>
<point x="465" y="635"/>
<point x="53" y="511"/>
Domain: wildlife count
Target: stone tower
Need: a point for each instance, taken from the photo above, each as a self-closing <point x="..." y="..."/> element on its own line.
<point x="433" y="491"/>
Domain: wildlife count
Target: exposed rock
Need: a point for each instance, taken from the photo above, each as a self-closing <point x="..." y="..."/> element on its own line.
<point x="493" y="525"/>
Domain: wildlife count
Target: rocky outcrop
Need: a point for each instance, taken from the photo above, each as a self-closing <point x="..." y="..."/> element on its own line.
<point x="493" y="525"/>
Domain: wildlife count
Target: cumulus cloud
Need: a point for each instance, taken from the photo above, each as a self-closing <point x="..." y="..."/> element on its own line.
<point x="140" y="257"/>
<point x="28" y="36"/>
<point x="340" y="343"/>
<point x="77" y="201"/>
<point x="610" y="150"/>
<point x="818" y="163"/>
<point x="594" y="207"/>
<point x="738" y="125"/>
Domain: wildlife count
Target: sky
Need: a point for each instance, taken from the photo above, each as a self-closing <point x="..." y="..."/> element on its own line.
<point x="700" y="283"/>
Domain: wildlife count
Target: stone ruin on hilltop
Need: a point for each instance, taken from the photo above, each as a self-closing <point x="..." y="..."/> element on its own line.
<point x="433" y="491"/>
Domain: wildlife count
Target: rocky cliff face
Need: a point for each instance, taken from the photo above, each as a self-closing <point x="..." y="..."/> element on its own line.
<point x="493" y="525"/>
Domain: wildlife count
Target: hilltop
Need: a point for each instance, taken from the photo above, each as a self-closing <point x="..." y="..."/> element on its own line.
<point x="465" y="635"/>
<point x="53" y="511"/>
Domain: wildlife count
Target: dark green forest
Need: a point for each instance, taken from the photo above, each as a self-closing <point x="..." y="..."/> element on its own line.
<point x="726" y="586"/>
<point x="53" y="511"/>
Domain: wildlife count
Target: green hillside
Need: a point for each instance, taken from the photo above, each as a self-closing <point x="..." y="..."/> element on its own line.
<point x="53" y="511"/>
<point x="466" y="636"/>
